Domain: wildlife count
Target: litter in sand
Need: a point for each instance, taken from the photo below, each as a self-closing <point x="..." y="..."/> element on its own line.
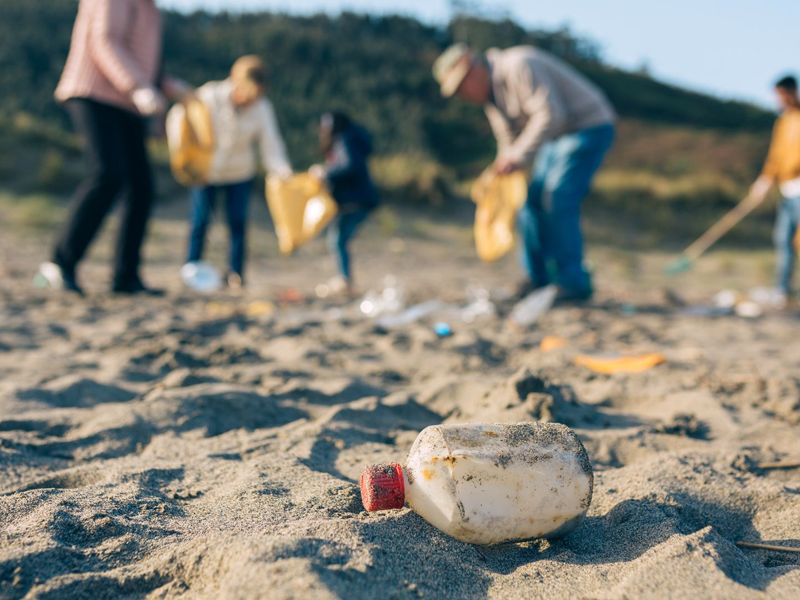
<point x="622" y="364"/>
<point x="551" y="342"/>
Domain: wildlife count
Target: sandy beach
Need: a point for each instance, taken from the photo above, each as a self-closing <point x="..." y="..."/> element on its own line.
<point x="210" y="446"/>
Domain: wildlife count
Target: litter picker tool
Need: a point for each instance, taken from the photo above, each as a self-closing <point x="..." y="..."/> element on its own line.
<point x="780" y="465"/>
<point x="767" y="547"/>
<point x="686" y="259"/>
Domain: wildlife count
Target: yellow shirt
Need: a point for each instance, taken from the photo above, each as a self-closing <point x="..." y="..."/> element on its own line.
<point x="783" y="160"/>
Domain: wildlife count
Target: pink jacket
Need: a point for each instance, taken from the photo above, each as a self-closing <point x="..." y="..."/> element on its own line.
<point x="115" y="49"/>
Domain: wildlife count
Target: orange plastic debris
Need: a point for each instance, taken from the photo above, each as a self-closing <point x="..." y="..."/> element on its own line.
<point x="623" y="364"/>
<point x="551" y="342"/>
<point x="258" y="308"/>
<point x="291" y="295"/>
<point x="301" y="208"/>
<point x="220" y="309"/>
<point x="499" y="198"/>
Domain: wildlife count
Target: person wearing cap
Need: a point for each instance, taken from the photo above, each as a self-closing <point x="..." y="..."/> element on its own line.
<point x="782" y="167"/>
<point x="242" y="118"/>
<point x="346" y="146"/>
<point x="111" y="85"/>
<point x="544" y="115"/>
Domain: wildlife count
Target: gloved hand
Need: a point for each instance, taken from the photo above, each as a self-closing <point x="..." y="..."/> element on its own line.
<point x="149" y="101"/>
<point x="276" y="176"/>
<point x="283" y="173"/>
<point x="318" y="172"/>
<point x="504" y="166"/>
<point x="761" y="188"/>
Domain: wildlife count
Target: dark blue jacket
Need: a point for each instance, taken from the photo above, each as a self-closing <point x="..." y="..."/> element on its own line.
<point x="348" y="173"/>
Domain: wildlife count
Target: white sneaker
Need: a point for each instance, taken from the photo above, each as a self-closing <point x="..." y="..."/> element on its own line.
<point x="234" y="282"/>
<point x="50" y="276"/>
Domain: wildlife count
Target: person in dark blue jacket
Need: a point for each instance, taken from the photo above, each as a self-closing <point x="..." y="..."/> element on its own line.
<point x="346" y="146"/>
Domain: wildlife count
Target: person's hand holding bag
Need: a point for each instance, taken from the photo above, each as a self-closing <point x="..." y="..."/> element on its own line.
<point x="319" y="173"/>
<point x="504" y="166"/>
<point x="177" y="89"/>
<point x="149" y="101"/>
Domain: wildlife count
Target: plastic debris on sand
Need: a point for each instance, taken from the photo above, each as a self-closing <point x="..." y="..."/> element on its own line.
<point x="551" y="342"/>
<point x="201" y="276"/>
<point x="622" y="364"/>
<point x="533" y="306"/>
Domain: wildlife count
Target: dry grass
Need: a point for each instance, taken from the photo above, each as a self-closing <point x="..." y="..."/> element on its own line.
<point x="674" y="150"/>
<point x="413" y="179"/>
<point x="31" y="212"/>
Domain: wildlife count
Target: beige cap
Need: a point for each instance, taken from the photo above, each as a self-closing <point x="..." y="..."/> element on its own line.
<point x="452" y="67"/>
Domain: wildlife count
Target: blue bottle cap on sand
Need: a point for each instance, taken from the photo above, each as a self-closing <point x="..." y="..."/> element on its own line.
<point x="442" y="329"/>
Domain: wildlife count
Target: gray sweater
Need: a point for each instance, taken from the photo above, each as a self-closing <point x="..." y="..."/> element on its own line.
<point x="538" y="98"/>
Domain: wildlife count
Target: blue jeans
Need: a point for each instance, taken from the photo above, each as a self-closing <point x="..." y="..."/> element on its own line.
<point x="237" y="198"/>
<point x="549" y="223"/>
<point x="340" y="231"/>
<point x="785" y="230"/>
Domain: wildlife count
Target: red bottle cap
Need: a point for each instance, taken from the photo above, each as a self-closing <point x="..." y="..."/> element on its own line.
<point x="382" y="487"/>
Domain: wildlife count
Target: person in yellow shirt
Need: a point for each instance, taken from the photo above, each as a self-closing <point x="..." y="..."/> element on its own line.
<point x="782" y="168"/>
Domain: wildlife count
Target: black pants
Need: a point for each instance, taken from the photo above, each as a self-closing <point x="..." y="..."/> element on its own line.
<point x="118" y="167"/>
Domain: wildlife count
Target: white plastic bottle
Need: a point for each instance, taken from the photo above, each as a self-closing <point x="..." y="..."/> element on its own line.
<point x="489" y="483"/>
<point x="533" y="306"/>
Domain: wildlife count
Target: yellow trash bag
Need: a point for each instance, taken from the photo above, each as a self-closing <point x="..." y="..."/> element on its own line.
<point x="191" y="142"/>
<point x="301" y="207"/>
<point x="499" y="198"/>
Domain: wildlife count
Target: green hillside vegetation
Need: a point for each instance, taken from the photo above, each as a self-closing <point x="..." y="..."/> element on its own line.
<point x="676" y="151"/>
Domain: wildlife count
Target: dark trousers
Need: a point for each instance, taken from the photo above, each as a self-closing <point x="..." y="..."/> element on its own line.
<point x="237" y="199"/>
<point x="118" y="167"/>
<point x="340" y="232"/>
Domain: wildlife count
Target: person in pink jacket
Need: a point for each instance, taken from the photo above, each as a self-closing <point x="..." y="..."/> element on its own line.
<point x="110" y="86"/>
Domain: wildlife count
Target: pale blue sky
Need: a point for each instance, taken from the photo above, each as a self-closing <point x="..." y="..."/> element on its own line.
<point x="732" y="48"/>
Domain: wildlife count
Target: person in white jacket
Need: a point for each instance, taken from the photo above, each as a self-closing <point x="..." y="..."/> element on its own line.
<point x="244" y="125"/>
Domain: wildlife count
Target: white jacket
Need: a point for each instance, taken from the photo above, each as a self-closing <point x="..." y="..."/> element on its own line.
<point x="237" y="131"/>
